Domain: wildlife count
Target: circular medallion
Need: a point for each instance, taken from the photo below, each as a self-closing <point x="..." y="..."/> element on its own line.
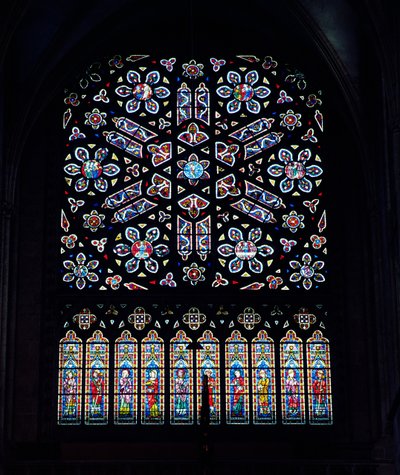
<point x="245" y="250"/>
<point x="142" y="92"/>
<point x="141" y="249"/>
<point x="95" y="119"/>
<point x="290" y="120"/>
<point x="94" y="221"/>
<point x="80" y="271"/>
<point x="307" y="271"/>
<point x="243" y="92"/>
<point x="193" y="170"/>
<point x="193" y="70"/>
<point x="91" y="169"/>
<point x="293" y="222"/>
<point x="295" y="170"/>
<point x="194" y="274"/>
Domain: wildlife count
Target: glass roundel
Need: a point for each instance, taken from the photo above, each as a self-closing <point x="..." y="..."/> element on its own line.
<point x="201" y="173"/>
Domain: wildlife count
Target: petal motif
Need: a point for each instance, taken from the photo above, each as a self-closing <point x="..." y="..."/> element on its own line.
<point x="133" y="77"/>
<point x="261" y="92"/>
<point x="161" y="92"/>
<point x="295" y="277"/>
<point x="132" y="105"/>
<point x="226" y="249"/>
<point x="81" y="184"/>
<point x="276" y="170"/>
<point x="123" y="91"/>
<point x="319" y="278"/>
<point x="255" y="265"/>
<point x="152" y="234"/>
<point x="122" y="249"/>
<point x="285" y="156"/>
<point x="224" y="91"/>
<point x="236" y="265"/>
<point x="251" y="77"/>
<point x="92" y="264"/>
<point x="152" y="77"/>
<point x="318" y="265"/>
<point x="295" y="264"/>
<point x="132" y="265"/>
<point x="151" y="265"/>
<point x="161" y="250"/>
<point x="265" y="250"/>
<point x="151" y="106"/>
<point x="82" y="154"/>
<point x="110" y="169"/>
<point x="253" y="106"/>
<point x="80" y="258"/>
<point x="255" y="234"/>
<point x="233" y="77"/>
<point x="235" y="234"/>
<point x="132" y="234"/>
<point x="307" y="284"/>
<point x="306" y="259"/>
<point x="92" y="277"/>
<point x="305" y="185"/>
<point x="69" y="265"/>
<point x="286" y="185"/>
<point x="100" y="184"/>
<point x="101" y="154"/>
<point x="304" y="155"/>
<point x="80" y="283"/>
<point x="72" y="169"/>
<point x="68" y="277"/>
<point x="314" y="170"/>
<point x="233" y="106"/>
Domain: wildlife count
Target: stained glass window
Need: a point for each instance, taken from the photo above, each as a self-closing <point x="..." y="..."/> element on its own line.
<point x="96" y="390"/>
<point x="236" y="379"/>
<point x="193" y="178"/>
<point x="204" y="173"/>
<point x="292" y="379"/>
<point x="208" y="376"/>
<point x="319" y="379"/>
<point x="125" y="379"/>
<point x="70" y="380"/>
<point x="181" y="380"/>
<point x="263" y="379"/>
<point x="247" y="393"/>
<point x="152" y="379"/>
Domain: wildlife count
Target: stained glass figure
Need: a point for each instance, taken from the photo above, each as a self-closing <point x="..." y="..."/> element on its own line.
<point x="319" y="379"/>
<point x="208" y="376"/>
<point x="125" y="379"/>
<point x="236" y="379"/>
<point x="263" y="379"/>
<point x="152" y="379"/>
<point x="70" y="379"/>
<point x="193" y="169"/>
<point x="292" y="379"/>
<point x="181" y="380"/>
<point x="96" y="379"/>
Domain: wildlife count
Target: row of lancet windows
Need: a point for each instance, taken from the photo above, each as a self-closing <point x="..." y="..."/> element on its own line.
<point x="249" y="387"/>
